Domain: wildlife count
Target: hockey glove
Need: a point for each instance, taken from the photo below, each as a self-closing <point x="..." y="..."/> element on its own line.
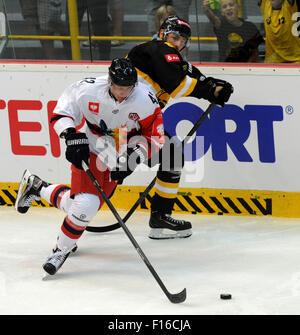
<point x="77" y="149"/>
<point x="128" y="161"/>
<point x="224" y="93"/>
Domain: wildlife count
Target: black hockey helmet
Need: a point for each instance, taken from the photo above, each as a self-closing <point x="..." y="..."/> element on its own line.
<point x="173" y="24"/>
<point x="122" y="72"/>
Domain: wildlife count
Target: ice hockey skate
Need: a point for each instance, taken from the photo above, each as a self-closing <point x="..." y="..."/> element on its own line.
<point x="163" y="226"/>
<point x="74" y="248"/>
<point x="29" y="190"/>
<point x="56" y="260"/>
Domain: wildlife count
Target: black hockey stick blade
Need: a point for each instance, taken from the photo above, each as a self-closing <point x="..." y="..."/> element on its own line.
<point x="177" y="298"/>
<point x="150" y="186"/>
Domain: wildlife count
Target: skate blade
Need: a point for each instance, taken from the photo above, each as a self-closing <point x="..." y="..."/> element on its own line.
<point x="22" y="187"/>
<point x="159" y="234"/>
<point x="46" y="277"/>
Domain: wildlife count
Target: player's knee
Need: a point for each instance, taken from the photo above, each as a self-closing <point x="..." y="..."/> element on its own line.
<point x="84" y="207"/>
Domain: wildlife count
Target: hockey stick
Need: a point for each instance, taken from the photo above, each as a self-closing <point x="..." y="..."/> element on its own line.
<point x="150" y="186"/>
<point x="174" y="298"/>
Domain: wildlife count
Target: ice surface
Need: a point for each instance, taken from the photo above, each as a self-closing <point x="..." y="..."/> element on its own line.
<point x="256" y="259"/>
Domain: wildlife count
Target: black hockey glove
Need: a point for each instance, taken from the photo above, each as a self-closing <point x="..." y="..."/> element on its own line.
<point x="224" y="93"/>
<point x="77" y="149"/>
<point x="128" y="161"/>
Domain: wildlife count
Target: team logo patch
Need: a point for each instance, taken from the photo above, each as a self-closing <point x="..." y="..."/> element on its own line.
<point x="94" y="107"/>
<point x="133" y="116"/>
<point x="172" y="58"/>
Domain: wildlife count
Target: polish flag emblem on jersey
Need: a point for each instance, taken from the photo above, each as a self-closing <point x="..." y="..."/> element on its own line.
<point x="172" y="58"/>
<point x="94" y="107"/>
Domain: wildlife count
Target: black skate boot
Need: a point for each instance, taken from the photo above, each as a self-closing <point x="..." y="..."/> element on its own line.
<point x="56" y="260"/>
<point x="29" y="190"/>
<point x="174" y="228"/>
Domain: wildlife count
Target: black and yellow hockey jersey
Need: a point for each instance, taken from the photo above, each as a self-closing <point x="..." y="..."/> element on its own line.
<point x="159" y="64"/>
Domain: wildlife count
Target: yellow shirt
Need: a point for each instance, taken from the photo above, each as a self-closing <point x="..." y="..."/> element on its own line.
<point x="282" y="46"/>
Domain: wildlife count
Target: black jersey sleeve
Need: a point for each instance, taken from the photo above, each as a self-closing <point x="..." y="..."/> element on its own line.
<point x="163" y="67"/>
<point x="159" y="62"/>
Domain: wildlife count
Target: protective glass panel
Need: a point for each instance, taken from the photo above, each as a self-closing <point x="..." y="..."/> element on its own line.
<point x="222" y="30"/>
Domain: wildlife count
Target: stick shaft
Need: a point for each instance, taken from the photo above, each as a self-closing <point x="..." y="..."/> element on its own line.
<point x="172" y="298"/>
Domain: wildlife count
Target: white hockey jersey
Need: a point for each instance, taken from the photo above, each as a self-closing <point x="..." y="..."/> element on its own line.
<point x="109" y="124"/>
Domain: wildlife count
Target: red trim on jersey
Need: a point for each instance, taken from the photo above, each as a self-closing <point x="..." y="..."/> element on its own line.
<point x="81" y="124"/>
<point x="153" y="130"/>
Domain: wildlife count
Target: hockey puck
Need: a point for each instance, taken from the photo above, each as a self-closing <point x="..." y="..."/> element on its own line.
<point x="225" y="296"/>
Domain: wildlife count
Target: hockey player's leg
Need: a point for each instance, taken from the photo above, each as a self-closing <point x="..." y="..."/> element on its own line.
<point x="34" y="188"/>
<point x="162" y="225"/>
<point x="83" y="208"/>
<point x="29" y="190"/>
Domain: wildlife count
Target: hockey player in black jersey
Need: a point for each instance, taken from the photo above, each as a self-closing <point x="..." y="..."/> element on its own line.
<point x="160" y="65"/>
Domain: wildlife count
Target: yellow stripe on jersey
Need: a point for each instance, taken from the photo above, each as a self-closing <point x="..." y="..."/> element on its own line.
<point x="146" y="77"/>
<point x="162" y="96"/>
<point x="184" y="88"/>
<point x="179" y="87"/>
<point x="191" y="88"/>
<point x="170" y="45"/>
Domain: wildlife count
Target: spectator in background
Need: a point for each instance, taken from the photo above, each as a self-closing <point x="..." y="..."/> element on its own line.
<point x="98" y="12"/>
<point x="46" y="17"/>
<point x="116" y="10"/>
<point x="161" y="14"/>
<point x="181" y="8"/>
<point x="238" y="39"/>
<point x="282" y="36"/>
<point x="50" y="22"/>
<point x="215" y="5"/>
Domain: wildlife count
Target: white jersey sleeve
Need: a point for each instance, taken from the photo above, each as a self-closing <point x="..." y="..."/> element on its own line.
<point x="67" y="113"/>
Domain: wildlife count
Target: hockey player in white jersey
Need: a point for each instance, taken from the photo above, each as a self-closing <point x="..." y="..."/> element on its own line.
<point x="123" y="128"/>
